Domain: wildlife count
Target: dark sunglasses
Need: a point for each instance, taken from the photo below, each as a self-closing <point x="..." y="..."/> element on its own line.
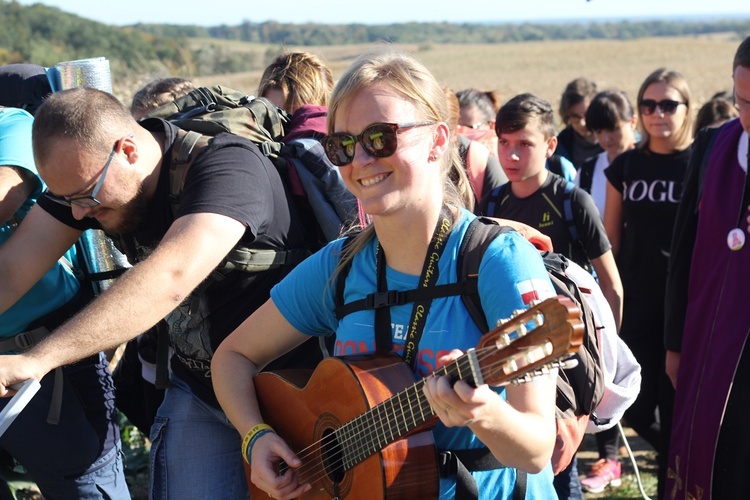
<point x="90" y="200"/>
<point x="378" y="140"/>
<point x="667" y="106"/>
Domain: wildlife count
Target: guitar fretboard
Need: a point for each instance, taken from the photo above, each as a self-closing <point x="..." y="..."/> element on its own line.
<point x="400" y="414"/>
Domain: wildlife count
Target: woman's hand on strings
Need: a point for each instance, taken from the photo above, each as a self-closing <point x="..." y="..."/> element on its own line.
<point x="267" y="453"/>
<point x="458" y="405"/>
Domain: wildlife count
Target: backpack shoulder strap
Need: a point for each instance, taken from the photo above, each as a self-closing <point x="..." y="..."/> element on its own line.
<point x="554" y="165"/>
<point x="327" y="343"/>
<point x="495" y="199"/>
<point x="182" y="158"/>
<point x="338" y="297"/>
<point x="477" y="156"/>
<point x="478" y="237"/>
<point x="568" y="210"/>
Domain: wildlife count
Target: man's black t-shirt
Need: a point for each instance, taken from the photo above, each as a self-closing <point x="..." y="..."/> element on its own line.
<point x="230" y="177"/>
<point x="544" y="210"/>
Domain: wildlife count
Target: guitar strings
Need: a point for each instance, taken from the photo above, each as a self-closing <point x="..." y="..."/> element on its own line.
<point x="424" y="408"/>
<point x="371" y="450"/>
<point x="360" y="442"/>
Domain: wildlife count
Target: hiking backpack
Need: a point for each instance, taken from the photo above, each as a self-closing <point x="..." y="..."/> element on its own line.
<point x="326" y="206"/>
<point x="311" y="182"/>
<point x="579" y="388"/>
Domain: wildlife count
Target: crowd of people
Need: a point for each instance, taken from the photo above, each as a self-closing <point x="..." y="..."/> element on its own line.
<point x="650" y="196"/>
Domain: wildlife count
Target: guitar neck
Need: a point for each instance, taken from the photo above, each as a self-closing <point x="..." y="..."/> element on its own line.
<point x="403" y="413"/>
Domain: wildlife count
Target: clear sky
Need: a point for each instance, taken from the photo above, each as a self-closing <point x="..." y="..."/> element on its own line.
<point x="233" y="12"/>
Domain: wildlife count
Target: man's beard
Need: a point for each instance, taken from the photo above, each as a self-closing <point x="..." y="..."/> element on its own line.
<point x="133" y="213"/>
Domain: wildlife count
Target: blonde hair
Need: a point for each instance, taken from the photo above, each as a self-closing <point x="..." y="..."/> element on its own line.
<point x="684" y="136"/>
<point x="302" y="79"/>
<point x="410" y="79"/>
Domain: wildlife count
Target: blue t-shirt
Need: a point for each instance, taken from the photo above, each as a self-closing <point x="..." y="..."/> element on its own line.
<point x="58" y="285"/>
<point x="510" y="272"/>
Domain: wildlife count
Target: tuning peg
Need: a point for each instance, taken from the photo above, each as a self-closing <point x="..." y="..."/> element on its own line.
<point x="567" y="364"/>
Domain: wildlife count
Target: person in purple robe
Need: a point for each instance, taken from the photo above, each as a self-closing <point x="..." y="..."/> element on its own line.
<point x="708" y="318"/>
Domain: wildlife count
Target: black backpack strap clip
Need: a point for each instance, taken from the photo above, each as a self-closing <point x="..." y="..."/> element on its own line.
<point x="384" y="299"/>
<point x="461" y="463"/>
<point x="271" y="149"/>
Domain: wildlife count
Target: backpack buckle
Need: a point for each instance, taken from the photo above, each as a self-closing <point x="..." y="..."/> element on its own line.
<point x="24" y="341"/>
<point x="265" y="148"/>
<point x="383" y="299"/>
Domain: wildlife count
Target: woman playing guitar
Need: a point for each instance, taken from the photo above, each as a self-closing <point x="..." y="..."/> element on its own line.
<point x="388" y="134"/>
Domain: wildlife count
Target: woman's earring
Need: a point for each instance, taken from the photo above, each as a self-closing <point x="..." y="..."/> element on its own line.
<point x="433" y="157"/>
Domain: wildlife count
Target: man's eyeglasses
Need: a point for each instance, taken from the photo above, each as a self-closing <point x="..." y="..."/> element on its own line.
<point x="474" y="126"/>
<point x="379" y="140"/>
<point x="666" y="106"/>
<point x="90" y="200"/>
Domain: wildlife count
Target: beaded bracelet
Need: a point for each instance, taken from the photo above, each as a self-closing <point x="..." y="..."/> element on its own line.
<point x="250" y="438"/>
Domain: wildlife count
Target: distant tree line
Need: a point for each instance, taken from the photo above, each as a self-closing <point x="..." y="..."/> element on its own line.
<point x="326" y="34"/>
<point x="46" y="35"/>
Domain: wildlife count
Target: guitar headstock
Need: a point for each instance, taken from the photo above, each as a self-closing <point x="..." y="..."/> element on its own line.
<point x="533" y="339"/>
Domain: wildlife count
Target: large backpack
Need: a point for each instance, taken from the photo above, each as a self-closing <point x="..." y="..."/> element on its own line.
<point x="579" y="388"/>
<point x="314" y="185"/>
<point x="327" y="208"/>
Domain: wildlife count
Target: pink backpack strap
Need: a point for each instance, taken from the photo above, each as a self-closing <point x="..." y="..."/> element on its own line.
<point x="476" y="164"/>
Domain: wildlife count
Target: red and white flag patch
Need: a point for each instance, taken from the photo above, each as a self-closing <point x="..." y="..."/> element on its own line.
<point x="534" y="289"/>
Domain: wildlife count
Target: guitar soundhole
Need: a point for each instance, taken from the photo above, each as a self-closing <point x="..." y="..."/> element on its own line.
<point x="332" y="456"/>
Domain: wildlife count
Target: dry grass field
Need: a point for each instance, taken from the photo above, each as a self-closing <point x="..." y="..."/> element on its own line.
<point x="543" y="68"/>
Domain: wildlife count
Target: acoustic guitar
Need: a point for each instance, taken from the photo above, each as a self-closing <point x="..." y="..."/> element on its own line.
<point x="361" y="424"/>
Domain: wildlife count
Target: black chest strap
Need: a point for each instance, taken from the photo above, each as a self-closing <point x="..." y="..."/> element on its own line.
<point x="461" y="463"/>
<point x="396" y="298"/>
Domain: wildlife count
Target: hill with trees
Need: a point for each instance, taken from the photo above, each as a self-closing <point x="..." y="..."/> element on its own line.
<point x="47" y="35"/>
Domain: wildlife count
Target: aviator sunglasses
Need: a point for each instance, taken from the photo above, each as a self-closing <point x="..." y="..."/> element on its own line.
<point x="378" y="140"/>
<point x="667" y="106"/>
